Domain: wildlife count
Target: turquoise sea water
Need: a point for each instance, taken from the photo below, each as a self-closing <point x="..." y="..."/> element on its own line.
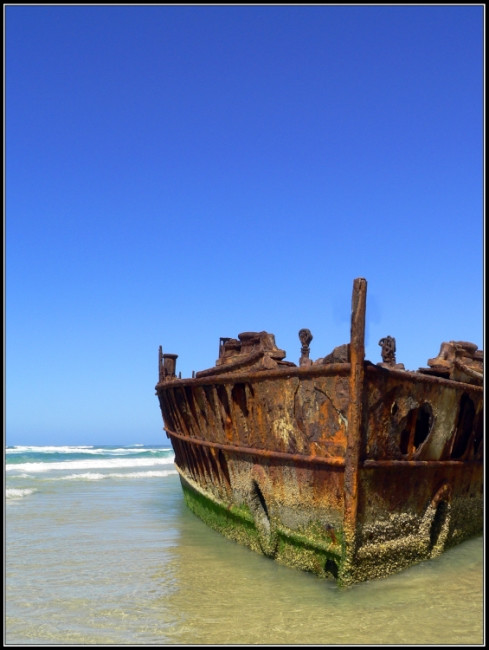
<point x="100" y="549"/>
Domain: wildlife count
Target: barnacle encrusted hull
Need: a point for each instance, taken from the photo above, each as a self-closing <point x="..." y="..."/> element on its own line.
<point x="341" y="467"/>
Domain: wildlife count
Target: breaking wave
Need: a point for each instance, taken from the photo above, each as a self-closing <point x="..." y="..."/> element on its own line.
<point x="17" y="493"/>
<point x="97" y="476"/>
<point x="101" y="463"/>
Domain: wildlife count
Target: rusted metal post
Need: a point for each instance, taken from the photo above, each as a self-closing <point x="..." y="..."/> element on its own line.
<point x="354" y="431"/>
<point x="160" y="363"/>
<point x="169" y="365"/>
<point x="166" y="365"/>
<point x="305" y="337"/>
<point x="222" y="341"/>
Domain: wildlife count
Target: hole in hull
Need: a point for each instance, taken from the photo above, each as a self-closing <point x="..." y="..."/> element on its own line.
<point x="238" y="394"/>
<point x="332" y="568"/>
<point x="416" y="428"/>
<point x="465" y="424"/>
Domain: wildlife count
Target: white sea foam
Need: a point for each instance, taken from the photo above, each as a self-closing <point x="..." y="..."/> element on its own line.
<point x="97" y="476"/>
<point x="86" y="476"/>
<point x="82" y="449"/>
<point x="65" y="449"/>
<point x="102" y="463"/>
<point x="17" y="493"/>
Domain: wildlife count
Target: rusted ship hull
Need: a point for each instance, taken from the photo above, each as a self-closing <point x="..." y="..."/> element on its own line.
<point x="347" y="469"/>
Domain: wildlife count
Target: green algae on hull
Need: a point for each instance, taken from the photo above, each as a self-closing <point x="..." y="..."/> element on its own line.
<point x="309" y="550"/>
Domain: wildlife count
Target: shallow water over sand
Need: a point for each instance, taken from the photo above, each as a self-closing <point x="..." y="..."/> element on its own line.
<point x="120" y="560"/>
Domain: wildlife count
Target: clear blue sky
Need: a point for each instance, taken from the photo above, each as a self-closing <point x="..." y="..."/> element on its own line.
<point x="179" y="173"/>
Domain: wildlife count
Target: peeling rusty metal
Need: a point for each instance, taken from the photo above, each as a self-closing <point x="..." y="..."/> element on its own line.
<point x="296" y="461"/>
<point x="254" y="451"/>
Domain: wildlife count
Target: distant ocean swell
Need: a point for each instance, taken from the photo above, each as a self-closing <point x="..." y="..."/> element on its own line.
<point x="28" y="467"/>
<point x="83" y="449"/>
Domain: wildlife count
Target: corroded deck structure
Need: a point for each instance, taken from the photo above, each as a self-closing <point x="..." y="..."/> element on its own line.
<point x="338" y="466"/>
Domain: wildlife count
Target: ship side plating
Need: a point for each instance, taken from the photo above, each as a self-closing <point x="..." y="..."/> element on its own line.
<point x="340" y="467"/>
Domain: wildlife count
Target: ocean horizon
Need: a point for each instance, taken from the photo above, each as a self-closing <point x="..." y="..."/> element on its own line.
<point x="101" y="549"/>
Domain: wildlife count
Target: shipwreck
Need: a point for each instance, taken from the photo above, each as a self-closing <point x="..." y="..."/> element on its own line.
<point x="339" y="466"/>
